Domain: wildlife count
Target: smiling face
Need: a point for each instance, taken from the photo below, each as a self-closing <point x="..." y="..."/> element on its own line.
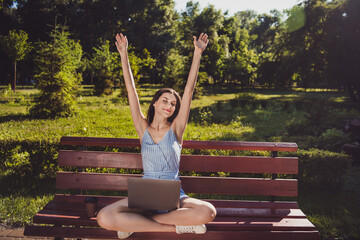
<point x="165" y="105"/>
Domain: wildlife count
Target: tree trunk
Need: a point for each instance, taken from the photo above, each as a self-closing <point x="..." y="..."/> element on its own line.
<point x="14" y="83"/>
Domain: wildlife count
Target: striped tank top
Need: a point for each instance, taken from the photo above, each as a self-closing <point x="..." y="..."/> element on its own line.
<point x="162" y="159"/>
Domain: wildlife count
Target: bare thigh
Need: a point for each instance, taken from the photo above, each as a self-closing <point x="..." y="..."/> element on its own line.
<point x="122" y="206"/>
<point x="189" y="202"/>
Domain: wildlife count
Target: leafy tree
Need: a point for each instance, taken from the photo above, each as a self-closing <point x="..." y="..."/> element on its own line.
<point x="101" y="66"/>
<point x="57" y="63"/>
<point x="153" y="25"/>
<point x="175" y="71"/>
<point x="15" y="45"/>
<point x="263" y="33"/>
<point x="343" y="50"/>
<point x="300" y="49"/>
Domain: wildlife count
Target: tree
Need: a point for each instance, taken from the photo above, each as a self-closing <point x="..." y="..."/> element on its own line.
<point x="57" y="63"/>
<point x="15" y="45"/>
<point x="343" y="50"/>
<point x="101" y="66"/>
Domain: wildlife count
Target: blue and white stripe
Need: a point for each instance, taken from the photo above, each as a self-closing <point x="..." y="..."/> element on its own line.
<point x="161" y="160"/>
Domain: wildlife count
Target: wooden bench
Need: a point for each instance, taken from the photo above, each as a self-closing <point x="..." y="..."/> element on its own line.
<point x="268" y="218"/>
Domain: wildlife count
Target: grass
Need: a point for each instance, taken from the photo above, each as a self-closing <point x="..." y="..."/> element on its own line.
<point x="214" y="116"/>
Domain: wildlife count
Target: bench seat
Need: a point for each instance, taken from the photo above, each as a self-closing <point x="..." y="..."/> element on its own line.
<point x="65" y="216"/>
<point x="235" y="218"/>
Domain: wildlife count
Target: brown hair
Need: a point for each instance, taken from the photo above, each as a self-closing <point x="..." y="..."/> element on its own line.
<point x="151" y="110"/>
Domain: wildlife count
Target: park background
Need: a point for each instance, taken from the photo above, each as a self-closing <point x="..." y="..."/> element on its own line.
<point x="289" y="75"/>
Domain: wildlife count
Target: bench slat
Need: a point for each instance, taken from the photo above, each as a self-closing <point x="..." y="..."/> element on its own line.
<point x="64" y="198"/>
<point x="203" y="163"/>
<point x="229" y="223"/>
<point x="239" y="212"/>
<point x="260" y="224"/>
<point x="98" y="233"/>
<point x="210" y="185"/>
<point x="187" y="144"/>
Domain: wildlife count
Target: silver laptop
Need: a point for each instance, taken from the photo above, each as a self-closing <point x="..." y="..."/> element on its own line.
<point x="153" y="194"/>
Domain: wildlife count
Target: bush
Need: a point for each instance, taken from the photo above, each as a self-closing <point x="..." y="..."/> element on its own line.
<point x="57" y="76"/>
<point x="101" y="65"/>
<point x="332" y="139"/>
<point x="321" y="169"/>
<point x="297" y="128"/>
<point x="245" y="99"/>
<point x="31" y="158"/>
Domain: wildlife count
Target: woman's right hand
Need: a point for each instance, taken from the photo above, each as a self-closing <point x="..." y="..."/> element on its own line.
<point x="121" y="43"/>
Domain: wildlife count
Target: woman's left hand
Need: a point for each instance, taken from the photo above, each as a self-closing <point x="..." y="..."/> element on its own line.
<point x="202" y="42"/>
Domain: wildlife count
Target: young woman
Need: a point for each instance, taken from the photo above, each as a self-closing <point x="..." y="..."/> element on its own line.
<point x="161" y="138"/>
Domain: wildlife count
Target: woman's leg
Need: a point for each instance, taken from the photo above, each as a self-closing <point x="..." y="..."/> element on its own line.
<point x="119" y="217"/>
<point x="192" y="212"/>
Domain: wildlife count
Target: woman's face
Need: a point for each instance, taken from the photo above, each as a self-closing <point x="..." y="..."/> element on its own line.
<point x="165" y="105"/>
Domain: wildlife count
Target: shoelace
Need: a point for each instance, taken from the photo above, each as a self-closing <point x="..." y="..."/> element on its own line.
<point x="187" y="229"/>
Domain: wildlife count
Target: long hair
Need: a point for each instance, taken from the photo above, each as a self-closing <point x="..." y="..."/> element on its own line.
<point x="151" y="110"/>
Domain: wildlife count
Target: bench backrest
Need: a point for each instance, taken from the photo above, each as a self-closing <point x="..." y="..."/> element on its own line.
<point x="273" y="165"/>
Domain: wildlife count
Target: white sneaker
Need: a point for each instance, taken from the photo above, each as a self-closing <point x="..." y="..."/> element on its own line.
<point x="198" y="229"/>
<point x="123" y="235"/>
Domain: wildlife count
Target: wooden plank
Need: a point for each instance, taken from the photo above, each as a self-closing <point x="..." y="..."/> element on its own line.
<point x="100" y="159"/>
<point x="260" y="212"/>
<point x="210" y="185"/>
<point x="79" y="208"/>
<point x="221" y="223"/>
<point x="98" y="233"/>
<point x="203" y="163"/>
<point x="260" y="224"/>
<point x="188" y="144"/>
<point x="239" y="164"/>
<point x="65" y="198"/>
<point x="61" y="217"/>
<point x="240" y="186"/>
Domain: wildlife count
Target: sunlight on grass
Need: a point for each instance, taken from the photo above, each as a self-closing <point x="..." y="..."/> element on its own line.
<point x="19" y="209"/>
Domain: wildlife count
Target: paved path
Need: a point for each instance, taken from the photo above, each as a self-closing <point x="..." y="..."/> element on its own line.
<point x="15" y="234"/>
<point x="12" y="233"/>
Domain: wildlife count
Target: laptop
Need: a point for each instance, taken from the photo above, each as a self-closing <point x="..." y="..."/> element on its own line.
<point x="153" y="194"/>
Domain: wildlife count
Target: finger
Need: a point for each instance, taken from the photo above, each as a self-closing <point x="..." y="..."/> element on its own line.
<point x="119" y="40"/>
<point x="194" y="38"/>
<point x="204" y="37"/>
<point x="121" y="37"/>
<point x="201" y="35"/>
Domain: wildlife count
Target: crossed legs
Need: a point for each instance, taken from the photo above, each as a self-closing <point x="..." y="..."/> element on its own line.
<point x="119" y="217"/>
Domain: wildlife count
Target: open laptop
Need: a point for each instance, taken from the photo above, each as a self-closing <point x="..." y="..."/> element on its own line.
<point x="153" y="194"/>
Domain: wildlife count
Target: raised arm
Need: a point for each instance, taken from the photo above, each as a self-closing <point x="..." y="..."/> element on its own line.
<point x="138" y="118"/>
<point x="181" y="120"/>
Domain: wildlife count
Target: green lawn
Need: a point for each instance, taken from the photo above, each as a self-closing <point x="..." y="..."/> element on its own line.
<point x="220" y="115"/>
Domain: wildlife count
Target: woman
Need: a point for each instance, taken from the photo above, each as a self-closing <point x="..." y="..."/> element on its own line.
<point x="161" y="137"/>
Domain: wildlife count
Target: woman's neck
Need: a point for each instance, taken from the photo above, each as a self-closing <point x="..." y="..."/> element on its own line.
<point x="159" y="123"/>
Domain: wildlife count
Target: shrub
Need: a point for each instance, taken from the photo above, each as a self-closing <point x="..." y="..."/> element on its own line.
<point x="245" y="98"/>
<point x="31" y="158"/>
<point x="296" y="128"/>
<point x="332" y="139"/>
<point x="57" y="76"/>
<point x="321" y="169"/>
<point x="203" y="116"/>
<point x="101" y="65"/>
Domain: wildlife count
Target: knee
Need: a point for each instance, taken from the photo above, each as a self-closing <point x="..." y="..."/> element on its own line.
<point x="103" y="218"/>
<point x="208" y="213"/>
